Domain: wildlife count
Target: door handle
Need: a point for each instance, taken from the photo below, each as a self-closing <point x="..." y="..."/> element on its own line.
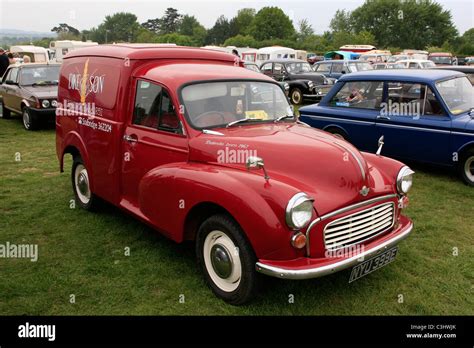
<point x="130" y="138"/>
<point x="383" y="117"/>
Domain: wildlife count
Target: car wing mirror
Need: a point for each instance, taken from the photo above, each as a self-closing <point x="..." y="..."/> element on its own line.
<point x="10" y="82"/>
<point x="254" y="162"/>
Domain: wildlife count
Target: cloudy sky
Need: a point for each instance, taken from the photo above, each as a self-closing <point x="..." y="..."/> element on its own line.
<point x="40" y="15"/>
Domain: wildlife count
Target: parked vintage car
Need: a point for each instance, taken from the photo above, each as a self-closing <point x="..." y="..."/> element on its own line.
<point x="337" y="68"/>
<point x="304" y="82"/>
<point x="254" y="67"/>
<point x="416" y="64"/>
<point x="200" y="149"/>
<point x="423" y="115"/>
<point x="466" y="69"/>
<point x="395" y="65"/>
<point x="312" y="58"/>
<point x="30" y="90"/>
<point x="442" y="58"/>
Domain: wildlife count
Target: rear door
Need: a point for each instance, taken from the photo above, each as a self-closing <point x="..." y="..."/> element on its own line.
<point x="153" y="137"/>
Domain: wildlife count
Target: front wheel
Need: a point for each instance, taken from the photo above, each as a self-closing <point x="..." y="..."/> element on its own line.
<point x="29" y="119"/>
<point x="227" y="260"/>
<point x="296" y="96"/>
<point x="467" y="168"/>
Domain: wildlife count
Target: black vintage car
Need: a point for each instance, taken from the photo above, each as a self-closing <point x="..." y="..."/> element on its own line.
<point x="30" y="90"/>
<point x="303" y="81"/>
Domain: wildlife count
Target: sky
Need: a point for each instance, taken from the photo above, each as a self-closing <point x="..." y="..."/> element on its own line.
<point x="42" y="15"/>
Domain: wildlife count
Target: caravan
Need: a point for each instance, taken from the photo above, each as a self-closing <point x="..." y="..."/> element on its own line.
<point x="274" y="52"/>
<point x="59" y="49"/>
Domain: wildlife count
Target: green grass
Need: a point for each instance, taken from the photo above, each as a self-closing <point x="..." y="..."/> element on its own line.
<point x="82" y="253"/>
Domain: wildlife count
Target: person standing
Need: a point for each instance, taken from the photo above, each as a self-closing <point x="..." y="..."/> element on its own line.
<point x="4" y="62"/>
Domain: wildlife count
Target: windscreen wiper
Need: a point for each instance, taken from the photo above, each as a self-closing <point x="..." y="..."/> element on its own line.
<point x="230" y="124"/>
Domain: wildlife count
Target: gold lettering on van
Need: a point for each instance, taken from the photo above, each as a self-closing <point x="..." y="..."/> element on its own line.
<point x="84" y="83"/>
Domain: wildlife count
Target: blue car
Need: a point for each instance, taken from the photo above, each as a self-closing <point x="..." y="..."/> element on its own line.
<point x="423" y="115"/>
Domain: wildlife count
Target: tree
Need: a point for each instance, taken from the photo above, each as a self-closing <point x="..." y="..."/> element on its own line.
<point x="190" y="26"/>
<point x="170" y="22"/>
<point x="242" y="22"/>
<point x="404" y="23"/>
<point x="119" y="27"/>
<point x="153" y="25"/>
<point x="341" y="21"/>
<point x="241" y="41"/>
<point x="304" y="29"/>
<point x="64" y="28"/>
<point x="220" y="32"/>
<point x="272" y="23"/>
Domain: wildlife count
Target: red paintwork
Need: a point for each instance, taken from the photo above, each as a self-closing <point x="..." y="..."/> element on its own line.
<point x="166" y="168"/>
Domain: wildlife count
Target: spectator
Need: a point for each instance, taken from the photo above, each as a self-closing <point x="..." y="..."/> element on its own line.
<point x="235" y="53"/>
<point x="10" y="58"/>
<point x="26" y="59"/>
<point x="4" y="62"/>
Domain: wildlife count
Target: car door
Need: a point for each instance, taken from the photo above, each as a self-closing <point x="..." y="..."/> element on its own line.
<point x="11" y="89"/>
<point x="414" y="124"/>
<point x="354" y="109"/>
<point x="153" y="137"/>
<point x="267" y="69"/>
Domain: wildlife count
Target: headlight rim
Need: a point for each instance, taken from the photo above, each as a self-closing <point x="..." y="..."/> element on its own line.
<point x="295" y="201"/>
<point x="45" y="103"/>
<point x="402" y="173"/>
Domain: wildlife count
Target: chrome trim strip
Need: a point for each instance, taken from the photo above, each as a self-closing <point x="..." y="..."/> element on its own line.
<point x="462" y="133"/>
<point x="338" y="119"/>
<point x="340" y="211"/>
<point x="208" y="131"/>
<point x="335" y="267"/>
<point x="423" y="129"/>
<point x="358" y="160"/>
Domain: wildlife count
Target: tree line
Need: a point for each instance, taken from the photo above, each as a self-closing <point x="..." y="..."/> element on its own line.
<point x="390" y="24"/>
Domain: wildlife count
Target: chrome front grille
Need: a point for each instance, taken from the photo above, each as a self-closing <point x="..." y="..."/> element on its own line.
<point x="360" y="226"/>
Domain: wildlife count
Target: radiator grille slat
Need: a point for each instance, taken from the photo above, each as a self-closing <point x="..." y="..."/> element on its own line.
<point x="360" y="226"/>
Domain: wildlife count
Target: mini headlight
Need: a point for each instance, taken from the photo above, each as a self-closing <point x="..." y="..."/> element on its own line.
<point x="310" y="84"/>
<point x="299" y="211"/>
<point x="54" y="103"/>
<point x="45" y="103"/>
<point x="286" y="86"/>
<point x="404" y="180"/>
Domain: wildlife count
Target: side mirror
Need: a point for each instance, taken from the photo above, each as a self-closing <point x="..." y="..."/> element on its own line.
<point x="10" y="82"/>
<point x="254" y="162"/>
<point x="343" y="72"/>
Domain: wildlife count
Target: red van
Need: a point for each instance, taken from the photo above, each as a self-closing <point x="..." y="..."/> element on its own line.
<point x="200" y="148"/>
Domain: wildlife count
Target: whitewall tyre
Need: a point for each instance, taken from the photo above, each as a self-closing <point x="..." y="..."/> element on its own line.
<point x="467" y="168"/>
<point x="227" y="259"/>
<point x="81" y="185"/>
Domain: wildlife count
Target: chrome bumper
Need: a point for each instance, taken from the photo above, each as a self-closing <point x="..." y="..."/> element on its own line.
<point x="335" y="267"/>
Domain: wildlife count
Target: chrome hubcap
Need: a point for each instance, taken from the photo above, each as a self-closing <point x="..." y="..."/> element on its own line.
<point x="82" y="184"/>
<point x="221" y="261"/>
<point x="469" y="168"/>
<point x="26" y="119"/>
<point x="296" y="97"/>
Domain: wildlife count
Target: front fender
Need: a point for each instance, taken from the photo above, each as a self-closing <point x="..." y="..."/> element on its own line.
<point x="167" y="194"/>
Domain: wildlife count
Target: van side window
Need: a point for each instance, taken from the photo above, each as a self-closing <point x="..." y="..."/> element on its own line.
<point x="154" y="109"/>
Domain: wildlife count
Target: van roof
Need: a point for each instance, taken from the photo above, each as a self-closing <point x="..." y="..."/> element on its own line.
<point x="150" y="51"/>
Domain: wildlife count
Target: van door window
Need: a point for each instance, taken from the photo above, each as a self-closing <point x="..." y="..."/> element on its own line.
<point x="154" y="109"/>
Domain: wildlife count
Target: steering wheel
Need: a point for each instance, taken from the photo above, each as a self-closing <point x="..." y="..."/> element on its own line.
<point x="221" y="114"/>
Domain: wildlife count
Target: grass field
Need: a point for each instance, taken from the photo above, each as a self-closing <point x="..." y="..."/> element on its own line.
<point x="82" y="253"/>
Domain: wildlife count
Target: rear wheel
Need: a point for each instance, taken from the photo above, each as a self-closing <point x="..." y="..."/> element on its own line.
<point x="296" y="96"/>
<point x="467" y="167"/>
<point x="227" y="260"/>
<point x="81" y="185"/>
<point x="5" y="112"/>
<point x="30" y="121"/>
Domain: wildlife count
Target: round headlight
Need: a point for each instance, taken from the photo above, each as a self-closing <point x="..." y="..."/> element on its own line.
<point x="286" y="86"/>
<point x="310" y="84"/>
<point x="54" y="103"/>
<point x="299" y="211"/>
<point x="45" y="103"/>
<point x="404" y="180"/>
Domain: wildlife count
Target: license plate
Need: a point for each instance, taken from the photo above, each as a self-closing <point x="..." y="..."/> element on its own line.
<point x="373" y="264"/>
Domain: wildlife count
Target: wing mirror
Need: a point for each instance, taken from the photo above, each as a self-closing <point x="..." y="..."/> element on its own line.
<point x="254" y="162"/>
<point x="10" y="82"/>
